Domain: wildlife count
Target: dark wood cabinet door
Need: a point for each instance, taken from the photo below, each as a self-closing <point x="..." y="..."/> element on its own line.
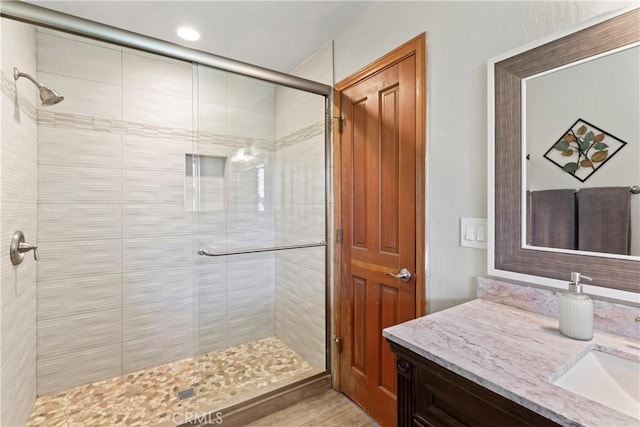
<point x="432" y="396"/>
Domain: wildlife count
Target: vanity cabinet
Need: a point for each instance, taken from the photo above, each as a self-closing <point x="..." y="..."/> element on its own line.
<point x="432" y="396"/>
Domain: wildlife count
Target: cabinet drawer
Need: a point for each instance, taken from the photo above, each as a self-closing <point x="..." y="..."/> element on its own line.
<point x="443" y="398"/>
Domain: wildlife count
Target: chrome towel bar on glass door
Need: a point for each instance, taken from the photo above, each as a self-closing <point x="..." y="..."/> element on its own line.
<point x="252" y="251"/>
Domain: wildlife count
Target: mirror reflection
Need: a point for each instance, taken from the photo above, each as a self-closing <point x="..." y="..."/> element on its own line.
<point x="581" y="136"/>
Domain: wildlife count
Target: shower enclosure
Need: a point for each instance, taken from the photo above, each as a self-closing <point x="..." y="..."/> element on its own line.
<point x="180" y="213"/>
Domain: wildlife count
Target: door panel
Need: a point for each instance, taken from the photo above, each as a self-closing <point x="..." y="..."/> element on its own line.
<point x="389" y="170"/>
<point x="359" y="177"/>
<point x="388" y="317"/>
<point x="359" y="322"/>
<point x="378" y="151"/>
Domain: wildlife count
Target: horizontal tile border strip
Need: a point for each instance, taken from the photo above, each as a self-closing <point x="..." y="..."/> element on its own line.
<point x="76" y="121"/>
<point x="301" y="135"/>
<point x="124" y="127"/>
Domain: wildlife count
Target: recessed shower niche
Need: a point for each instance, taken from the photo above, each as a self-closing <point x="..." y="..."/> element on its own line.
<point x="205" y="183"/>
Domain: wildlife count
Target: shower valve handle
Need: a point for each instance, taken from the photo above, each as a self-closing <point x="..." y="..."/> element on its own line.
<point x="19" y="246"/>
<point x="26" y="247"/>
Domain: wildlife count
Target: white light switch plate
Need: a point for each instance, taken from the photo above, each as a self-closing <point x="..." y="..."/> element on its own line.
<point x="473" y="232"/>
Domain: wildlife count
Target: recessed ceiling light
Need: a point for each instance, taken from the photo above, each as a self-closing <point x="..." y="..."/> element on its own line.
<point x="188" y="33"/>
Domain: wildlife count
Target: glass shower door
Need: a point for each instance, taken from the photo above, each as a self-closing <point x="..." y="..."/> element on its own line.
<point x="260" y="307"/>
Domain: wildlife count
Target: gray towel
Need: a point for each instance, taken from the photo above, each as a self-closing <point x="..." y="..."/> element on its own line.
<point x="551" y="221"/>
<point x="604" y="220"/>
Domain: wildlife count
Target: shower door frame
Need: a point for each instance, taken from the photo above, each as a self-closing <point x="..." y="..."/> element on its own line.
<point x="47" y="18"/>
<point x="43" y="17"/>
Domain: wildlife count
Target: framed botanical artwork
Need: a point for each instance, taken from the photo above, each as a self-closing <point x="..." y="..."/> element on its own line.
<point x="583" y="149"/>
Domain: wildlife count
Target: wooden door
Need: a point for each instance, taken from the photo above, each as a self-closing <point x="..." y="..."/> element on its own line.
<point x="379" y="198"/>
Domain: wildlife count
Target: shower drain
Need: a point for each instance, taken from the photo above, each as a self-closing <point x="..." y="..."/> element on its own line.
<point x="185" y="394"/>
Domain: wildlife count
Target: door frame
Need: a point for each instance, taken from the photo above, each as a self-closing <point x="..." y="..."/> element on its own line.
<point x="418" y="47"/>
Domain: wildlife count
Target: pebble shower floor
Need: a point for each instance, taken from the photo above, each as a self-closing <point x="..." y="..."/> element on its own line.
<point x="150" y="397"/>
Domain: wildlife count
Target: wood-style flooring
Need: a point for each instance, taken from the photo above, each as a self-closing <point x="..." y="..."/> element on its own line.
<point x="330" y="409"/>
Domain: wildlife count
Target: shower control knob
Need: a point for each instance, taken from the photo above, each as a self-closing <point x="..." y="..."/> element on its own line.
<point x="19" y="246"/>
<point x="26" y="247"/>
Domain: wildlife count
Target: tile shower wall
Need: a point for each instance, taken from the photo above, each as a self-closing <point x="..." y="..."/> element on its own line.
<point x="18" y="156"/>
<point x="80" y="336"/>
<point x="300" y="212"/>
<point x="236" y="294"/>
<point x="157" y="266"/>
<point x="120" y="287"/>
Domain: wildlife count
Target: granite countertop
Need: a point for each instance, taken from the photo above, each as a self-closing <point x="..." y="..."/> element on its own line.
<point x="515" y="353"/>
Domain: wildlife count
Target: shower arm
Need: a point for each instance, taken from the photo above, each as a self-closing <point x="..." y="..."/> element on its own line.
<point x="17" y="74"/>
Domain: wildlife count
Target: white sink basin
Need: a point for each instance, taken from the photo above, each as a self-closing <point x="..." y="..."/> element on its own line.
<point x="607" y="379"/>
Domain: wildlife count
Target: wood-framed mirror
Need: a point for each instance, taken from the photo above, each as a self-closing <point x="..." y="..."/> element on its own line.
<point x="510" y="250"/>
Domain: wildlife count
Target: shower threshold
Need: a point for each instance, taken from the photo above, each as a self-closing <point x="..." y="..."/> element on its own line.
<point x="151" y="397"/>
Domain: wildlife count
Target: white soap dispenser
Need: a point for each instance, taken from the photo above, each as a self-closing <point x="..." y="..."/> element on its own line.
<point x="576" y="311"/>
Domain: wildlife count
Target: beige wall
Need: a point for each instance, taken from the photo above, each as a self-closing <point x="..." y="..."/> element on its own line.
<point x="461" y="37"/>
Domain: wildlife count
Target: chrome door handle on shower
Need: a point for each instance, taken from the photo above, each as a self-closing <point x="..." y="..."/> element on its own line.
<point x="403" y="274"/>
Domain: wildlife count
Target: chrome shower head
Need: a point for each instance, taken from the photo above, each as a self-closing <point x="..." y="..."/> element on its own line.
<point x="47" y="96"/>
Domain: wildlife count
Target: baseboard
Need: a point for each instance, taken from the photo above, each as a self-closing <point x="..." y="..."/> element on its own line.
<point x="244" y="413"/>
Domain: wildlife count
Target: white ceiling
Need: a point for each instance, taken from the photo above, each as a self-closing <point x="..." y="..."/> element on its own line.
<point x="273" y="34"/>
